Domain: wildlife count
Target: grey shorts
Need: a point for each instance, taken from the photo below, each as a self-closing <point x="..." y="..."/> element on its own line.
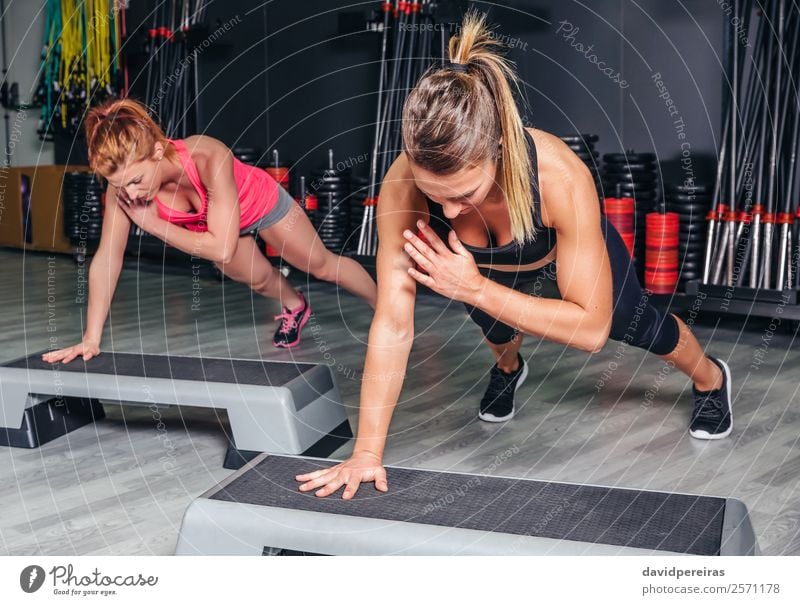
<point x="281" y="209"/>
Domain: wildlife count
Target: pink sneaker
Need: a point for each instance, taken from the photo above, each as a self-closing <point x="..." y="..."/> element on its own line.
<point x="292" y="321"/>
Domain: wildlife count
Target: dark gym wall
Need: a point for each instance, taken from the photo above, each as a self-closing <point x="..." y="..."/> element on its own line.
<point x="568" y="93"/>
<point x="286" y="76"/>
<point x="232" y="71"/>
<point x="322" y="82"/>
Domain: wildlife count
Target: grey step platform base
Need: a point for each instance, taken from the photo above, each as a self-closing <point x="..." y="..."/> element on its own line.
<point x="52" y="418"/>
<point x="259" y="510"/>
<point x="278" y="407"/>
<point x="236" y="458"/>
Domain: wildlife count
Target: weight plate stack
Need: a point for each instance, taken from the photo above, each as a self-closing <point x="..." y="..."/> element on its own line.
<point x="691" y="203"/>
<point x="247" y="155"/>
<point x="332" y="189"/>
<point x="583" y="146"/>
<point x="634" y="175"/>
<point x="277" y="169"/>
<point x="83" y="208"/>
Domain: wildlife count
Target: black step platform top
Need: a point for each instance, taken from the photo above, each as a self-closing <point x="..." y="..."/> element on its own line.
<point x="206" y="369"/>
<point x="622" y="517"/>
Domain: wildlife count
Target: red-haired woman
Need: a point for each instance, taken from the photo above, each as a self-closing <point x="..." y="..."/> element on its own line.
<point x="195" y="196"/>
<point x="515" y="205"/>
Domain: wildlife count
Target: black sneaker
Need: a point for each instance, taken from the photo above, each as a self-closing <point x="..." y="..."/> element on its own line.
<point x="292" y="321"/>
<point x="497" y="404"/>
<point x="713" y="415"/>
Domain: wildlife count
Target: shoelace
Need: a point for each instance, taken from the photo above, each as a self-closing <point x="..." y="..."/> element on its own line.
<point x="288" y="320"/>
<point x="706" y="411"/>
<point x="495" y="390"/>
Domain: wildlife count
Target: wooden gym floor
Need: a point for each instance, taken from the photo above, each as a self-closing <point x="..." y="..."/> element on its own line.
<point x="615" y="418"/>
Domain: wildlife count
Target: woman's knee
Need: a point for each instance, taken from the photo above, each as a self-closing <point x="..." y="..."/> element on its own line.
<point x="264" y="279"/>
<point x="648" y="329"/>
<point x="325" y="267"/>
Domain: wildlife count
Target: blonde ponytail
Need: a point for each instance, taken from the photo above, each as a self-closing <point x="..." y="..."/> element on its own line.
<point x="478" y="94"/>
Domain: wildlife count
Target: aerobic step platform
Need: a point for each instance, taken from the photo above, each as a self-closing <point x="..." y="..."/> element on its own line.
<point x="259" y="510"/>
<point x="277" y="407"/>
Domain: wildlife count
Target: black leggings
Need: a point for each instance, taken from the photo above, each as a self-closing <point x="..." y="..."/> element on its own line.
<point x="634" y="319"/>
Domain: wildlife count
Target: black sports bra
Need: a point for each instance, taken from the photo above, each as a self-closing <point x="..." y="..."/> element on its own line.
<point x="512" y="253"/>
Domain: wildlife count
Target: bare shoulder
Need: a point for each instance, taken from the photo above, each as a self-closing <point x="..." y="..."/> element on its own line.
<point x="207" y="152"/>
<point x="565" y="182"/>
<point x="554" y="154"/>
<point x="399" y="190"/>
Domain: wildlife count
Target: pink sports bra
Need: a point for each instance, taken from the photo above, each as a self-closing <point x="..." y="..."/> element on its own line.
<point x="258" y="193"/>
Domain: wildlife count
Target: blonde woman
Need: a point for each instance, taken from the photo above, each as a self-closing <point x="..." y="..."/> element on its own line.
<point x="475" y="207"/>
<point x="195" y="196"/>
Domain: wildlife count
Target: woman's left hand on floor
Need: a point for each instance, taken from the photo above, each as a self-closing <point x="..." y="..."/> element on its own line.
<point x="451" y="272"/>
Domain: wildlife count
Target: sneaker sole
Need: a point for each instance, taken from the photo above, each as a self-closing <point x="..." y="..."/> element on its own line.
<point x="303" y="322"/>
<point x="706" y="435"/>
<point x="493" y="418"/>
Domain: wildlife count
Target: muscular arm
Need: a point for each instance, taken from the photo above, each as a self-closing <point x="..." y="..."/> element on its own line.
<point x="392" y="331"/>
<point x="215" y="165"/>
<point x="582" y="318"/>
<point x="106" y="266"/>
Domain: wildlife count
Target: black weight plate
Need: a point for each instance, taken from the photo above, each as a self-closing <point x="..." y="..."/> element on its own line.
<point x="687" y="198"/>
<point x="694" y="223"/>
<point x="644" y="179"/>
<point x="692" y="219"/>
<point x="610" y="181"/>
<point x="692" y="247"/>
<point x="332" y="173"/>
<point x="628" y="188"/>
<point x="643" y="199"/>
<point x="581" y="146"/>
<point x="580" y="138"/>
<point x="638" y="158"/>
<point x="336" y="177"/>
<point x="696" y="189"/>
<point x="630" y="180"/>
<point x="697" y="222"/>
<point x="686" y="208"/>
<point x="250" y="150"/>
<point x="694" y="233"/>
<point x="630" y="168"/>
